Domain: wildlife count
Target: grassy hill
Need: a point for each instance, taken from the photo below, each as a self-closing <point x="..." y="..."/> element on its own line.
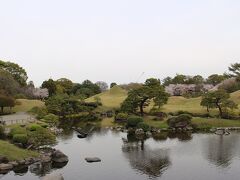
<point x="115" y="96"/>
<point x="111" y="98"/>
<point x="26" y="105"/>
<point x="14" y="153"/>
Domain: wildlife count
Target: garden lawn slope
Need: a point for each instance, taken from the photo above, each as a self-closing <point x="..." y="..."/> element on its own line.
<point x="112" y="98"/>
<point x="115" y="96"/>
<point x="25" y="105"/>
<point x="12" y="152"/>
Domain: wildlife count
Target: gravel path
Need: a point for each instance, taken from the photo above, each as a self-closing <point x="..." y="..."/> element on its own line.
<point x="20" y="117"/>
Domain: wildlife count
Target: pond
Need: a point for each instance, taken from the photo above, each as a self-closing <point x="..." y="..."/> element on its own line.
<point x="178" y="156"/>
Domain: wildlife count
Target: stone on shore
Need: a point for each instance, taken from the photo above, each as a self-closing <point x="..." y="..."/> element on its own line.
<point x="92" y="159"/>
<point x="59" y="157"/>
<point x="53" y="177"/>
<point x="5" y="168"/>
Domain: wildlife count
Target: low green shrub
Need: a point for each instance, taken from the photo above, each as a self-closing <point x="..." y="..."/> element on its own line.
<point x="33" y="127"/>
<point x="41" y="137"/>
<point x="145" y="127"/>
<point x="51" y="119"/>
<point x="40" y="112"/>
<point x="20" y="138"/>
<point x="121" y="117"/>
<point x="17" y="130"/>
<point x="180" y="121"/>
<point x="133" y="121"/>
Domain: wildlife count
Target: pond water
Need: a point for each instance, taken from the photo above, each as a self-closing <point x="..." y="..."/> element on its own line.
<point x="178" y="156"/>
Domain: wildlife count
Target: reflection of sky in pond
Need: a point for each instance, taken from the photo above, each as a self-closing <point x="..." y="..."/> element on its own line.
<point x="200" y="157"/>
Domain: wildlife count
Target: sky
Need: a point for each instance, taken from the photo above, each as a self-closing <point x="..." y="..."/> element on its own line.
<point x="118" y="40"/>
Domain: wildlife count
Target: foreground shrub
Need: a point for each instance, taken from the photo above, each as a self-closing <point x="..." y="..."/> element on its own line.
<point x="145" y="127"/>
<point x="41" y="137"/>
<point x="51" y="119"/>
<point x="17" y="130"/>
<point x="33" y="127"/>
<point x="20" y="138"/>
<point x="133" y="121"/>
<point x="180" y="121"/>
<point x="40" y="112"/>
<point x="121" y="117"/>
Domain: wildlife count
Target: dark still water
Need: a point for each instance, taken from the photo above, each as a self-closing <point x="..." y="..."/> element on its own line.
<point x="183" y="157"/>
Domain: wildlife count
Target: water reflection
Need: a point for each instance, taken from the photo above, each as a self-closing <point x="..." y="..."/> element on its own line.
<point x="220" y="150"/>
<point x="152" y="162"/>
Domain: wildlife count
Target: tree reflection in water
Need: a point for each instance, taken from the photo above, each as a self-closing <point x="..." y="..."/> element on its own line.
<point x="152" y="162"/>
<point x="220" y="150"/>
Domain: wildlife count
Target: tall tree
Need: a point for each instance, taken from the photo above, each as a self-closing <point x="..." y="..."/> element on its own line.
<point x="50" y="85"/>
<point x="215" y="79"/>
<point x="8" y="84"/>
<point x="218" y="99"/>
<point x="102" y="85"/>
<point x="234" y="70"/>
<point x="140" y="98"/>
<point x="17" y="72"/>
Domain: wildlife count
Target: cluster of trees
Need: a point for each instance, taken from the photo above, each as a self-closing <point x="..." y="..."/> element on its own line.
<point x="141" y="97"/>
<point x="64" y="104"/>
<point x="65" y="86"/>
<point x="214" y="79"/>
<point x="12" y="79"/>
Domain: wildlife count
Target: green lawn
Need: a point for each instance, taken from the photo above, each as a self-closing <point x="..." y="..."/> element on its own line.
<point x="114" y="97"/>
<point x="111" y="99"/>
<point x="26" y="105"/>
<point x="215" y="122"/>
<point x="12" y="152"/>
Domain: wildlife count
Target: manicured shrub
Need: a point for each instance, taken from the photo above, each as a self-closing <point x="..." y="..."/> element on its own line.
<point x="121" y="117"/>
<point x="145" y="127"/>
<point x="133" y="121"/>
<point x="41" y="137"/>
<point x="33" y="127"/>
<point x="51" y="119"/>
<point x="180" y="121"/>
<point x="44" y="125"/>
<point x="40" y="112"/>
<point x="17" y="130"/>
<point x="20" y="138"/>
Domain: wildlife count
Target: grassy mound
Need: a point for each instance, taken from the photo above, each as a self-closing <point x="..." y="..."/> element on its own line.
<point x="111" y="98"/>
<point x="115" y="96"/>
<point x="13" y="152"/>
<point x="26" y="105"/>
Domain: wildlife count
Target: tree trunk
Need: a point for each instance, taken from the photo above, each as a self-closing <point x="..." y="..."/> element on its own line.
<point x="2" y="109"/>
<point x="220" y="110"/>
<point x="141" y="109"/>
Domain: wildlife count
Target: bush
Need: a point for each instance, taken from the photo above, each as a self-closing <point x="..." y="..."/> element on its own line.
<point x="51" y="119"/>
<point x="121" y="117"/>
<point x="44" y="125"/>
<point x="33" y="127"/>
<point x="20" y="138"/>
<point x="17" y="130"/>
<point x="2" y="129"/>
<point x="143" y="126"/>
<point x="133" y="121"/>
<point x="40" y="112"/>
<point x="180" y="121"/>
<point x="41" y="137"/>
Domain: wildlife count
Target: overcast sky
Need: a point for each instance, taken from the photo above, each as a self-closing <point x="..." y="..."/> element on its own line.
<point x="118" y="40"/>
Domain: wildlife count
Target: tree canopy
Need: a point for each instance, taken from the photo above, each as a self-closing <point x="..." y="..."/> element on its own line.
<point x="218" y="99"/>
<point x="17" y="72"/>
<point x="140" y="98"/>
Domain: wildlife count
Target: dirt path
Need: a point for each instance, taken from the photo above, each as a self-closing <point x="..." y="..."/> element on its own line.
<point x="17" y="118"/>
